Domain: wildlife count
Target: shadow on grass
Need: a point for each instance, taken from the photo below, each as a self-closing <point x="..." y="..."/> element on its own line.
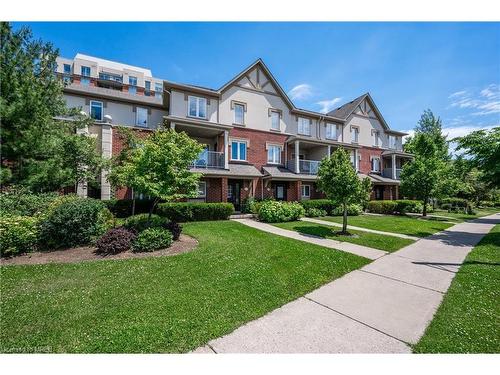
<point x="319" y="231"/>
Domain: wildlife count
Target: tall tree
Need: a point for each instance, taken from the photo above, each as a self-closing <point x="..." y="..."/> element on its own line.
<point x="340" y="183"/>
<point x="483" y="149"/>
<point x="159" y="167"/>
<point x="39" y="150"/>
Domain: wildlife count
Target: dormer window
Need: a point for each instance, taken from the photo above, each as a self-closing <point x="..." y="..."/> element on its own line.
<point x="197" y="107"/>
<point x="304" y="126"/>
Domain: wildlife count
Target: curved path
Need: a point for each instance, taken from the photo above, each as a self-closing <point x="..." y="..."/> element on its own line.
<point x="381" y="308"/>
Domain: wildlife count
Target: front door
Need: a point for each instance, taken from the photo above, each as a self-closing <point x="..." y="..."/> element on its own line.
<point x="280" y="192"/>
<point x="234" y="194"/>
<point x="379" y="192"/>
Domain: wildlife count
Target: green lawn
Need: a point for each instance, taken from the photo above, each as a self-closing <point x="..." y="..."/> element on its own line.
<point x="376" y="241"/>
<point x="461" y="217"/>
<point x="162" y="304"/>
<point x="394" y="224"/>
<point x="468" y="320"/>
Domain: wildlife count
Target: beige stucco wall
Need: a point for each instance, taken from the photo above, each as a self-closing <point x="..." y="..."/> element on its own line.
<point x="179" y="105"/>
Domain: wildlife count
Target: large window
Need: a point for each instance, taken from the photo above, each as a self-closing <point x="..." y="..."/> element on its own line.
<point x="147" y="88"/>
<point x="331" y="131"/>
<point x="67" y="69"/>
<point x="96" y="110"/>
<point x="393" y="141"/>
<point x="306" y="191"/>
<point x="132" y="88"/>
<point x="141" y="118"/>
<point x="375" y="164"/>
<point x="304" y="126"/>
<point x="275" y="120"/>
<point x="239" y="114"/>
<point x="158" y="89"/>
<point x="202" y="189"/>
<point x="354" y="134"/>
<point x="375" y="138"/>
<point x="274" y="154"/>
<point x="239" y="150"/>
<point x="84" y="80"/>
<point x="197" y="107"/>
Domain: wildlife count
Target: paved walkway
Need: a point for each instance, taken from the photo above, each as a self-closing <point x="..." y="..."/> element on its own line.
<point x="363" y="251"/>
<point x="333" y="224"/>
<point x="383" y="307"/>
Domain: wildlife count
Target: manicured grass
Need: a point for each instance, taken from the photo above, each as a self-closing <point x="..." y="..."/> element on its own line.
<point x="394" y="224"/>
<point x="461" y="217"/>
<point x="376" y="241"/>
<point x="468" y="320"/>
<point x="163" y="304"/>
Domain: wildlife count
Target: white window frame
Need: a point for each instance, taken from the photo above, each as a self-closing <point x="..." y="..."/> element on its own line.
<point x="301" y="123"/>
<point x="354" y="134"/>
<point x="242" y="122"/>
<point x="379" y="164"/>
<point x="200" y="184"/>
<point x="198" y="100"/>
<point x="275" y="115"/>
<point x="102" y="110"/>
<point x="330" y="126"/>
<point x="376" y="138"/>
<point x="137" y="117"/>
<point x="238" y="142"/>
<point x="302" y="193"/>
<point x="270" y="154"/>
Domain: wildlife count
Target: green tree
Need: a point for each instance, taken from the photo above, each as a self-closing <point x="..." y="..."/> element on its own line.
<point x="340" y="183"/>
<point x="483" y="149"/>
<point x="159" y="167"/>
<point x="40" y="146"/>
<point x="432" y="126"/>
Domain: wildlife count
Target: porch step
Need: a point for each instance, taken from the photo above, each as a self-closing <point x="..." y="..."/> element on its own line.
<point x="242" y="216"/>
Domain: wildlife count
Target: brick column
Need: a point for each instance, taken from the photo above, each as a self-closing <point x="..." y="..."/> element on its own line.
<point x="107" y="143"/>
<point x="223" y="189"/>
<point x="298" y="187"/>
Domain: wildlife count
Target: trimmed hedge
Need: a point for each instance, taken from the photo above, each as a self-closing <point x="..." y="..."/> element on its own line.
<point x="22" y="203"/>
<point x="321" y="204"/>
<point x="276" y="211"/>
<point x="401" y="206"/>
<point x="182" y="212"/>
<point x="455" y="202"/>
<point x="18" y="234"/>
<point x="315" y="212"/>
<point x="352" y="210"/>
<point x="152" y="239"/>
<point x="123" y="207"/>
<point x="382" y="207"/>
<point x="140" y="222"/>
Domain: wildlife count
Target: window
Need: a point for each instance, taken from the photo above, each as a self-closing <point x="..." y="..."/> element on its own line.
<point x="239" y="150"/>
<point x="202" y="189"/>
<point x="147" y="88"/>
<point x="274" y="154"/>
<point x="306" y="191"/>
<point x="158" y="89"/>
<point x="67" y="69"/>
<point x="393" y="141"/>
<point x="141" y="118"/>
<point x="353" y="160"/>
<point x="275" y="120"/>
<point x="197" y="107"/>
<point x="331" y="131"/>
<point x="375" y="164"/>
<point x="375" y="138"/>
<point x="85" y="73"/>
<point x="96" y="110"/>
<point x="132" y="88"/>
<point x="239" y="114"/>
<point x="304" y="126"/>
<point x="354" y="134"/>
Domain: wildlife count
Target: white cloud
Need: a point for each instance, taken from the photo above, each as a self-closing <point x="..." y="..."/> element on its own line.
<point x="300" y="92"/>
<point x="328" y="105"/>
<point x="486" y="102"/>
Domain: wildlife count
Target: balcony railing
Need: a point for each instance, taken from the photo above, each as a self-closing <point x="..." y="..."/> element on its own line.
<point x="305" y="166"/>
<point x="388" y="173"/>
<point x="209" y="159"/>
<point x="110" y="77"/>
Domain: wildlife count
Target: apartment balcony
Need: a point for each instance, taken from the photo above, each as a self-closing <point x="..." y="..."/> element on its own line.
<point x="110" y="79"/>
<point x="387" y="172"/>
<point x="209" y="159"/>
<point x="305" y="166"/>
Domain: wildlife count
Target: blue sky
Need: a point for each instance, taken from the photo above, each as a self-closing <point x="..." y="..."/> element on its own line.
<point x="451" y="68"/>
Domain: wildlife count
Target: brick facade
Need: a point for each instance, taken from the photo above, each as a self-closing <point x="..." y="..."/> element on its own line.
<point x="366" y="154"/>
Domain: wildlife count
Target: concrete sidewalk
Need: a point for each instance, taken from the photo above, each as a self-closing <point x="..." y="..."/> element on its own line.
<point x="333" y="224"/>
<point x="380" y="308"/>
<point x="363" y="251"/>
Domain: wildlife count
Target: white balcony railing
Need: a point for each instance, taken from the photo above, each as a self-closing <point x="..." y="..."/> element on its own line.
<point x="305" y="166"/>
<point x="209" y="159"/>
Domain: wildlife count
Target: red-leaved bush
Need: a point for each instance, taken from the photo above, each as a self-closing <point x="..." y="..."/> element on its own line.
<point x="115" y="241"/>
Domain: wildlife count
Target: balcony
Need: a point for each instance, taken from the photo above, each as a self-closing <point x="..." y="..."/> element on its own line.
<point x="388" y="173"/>
<point x="305" y="166"/>
<point x="209" y="159"/>
<point x="112" y="80"/>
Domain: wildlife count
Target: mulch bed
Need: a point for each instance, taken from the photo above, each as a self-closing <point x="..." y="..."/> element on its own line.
<point x="79" y="254"/>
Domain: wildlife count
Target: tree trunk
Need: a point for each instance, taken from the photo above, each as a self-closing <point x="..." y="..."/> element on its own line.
<point x="155" y="202"/>
<point x="424" y="212"/>
<point x="133" y="202"/>
<point x="344" y="221"/>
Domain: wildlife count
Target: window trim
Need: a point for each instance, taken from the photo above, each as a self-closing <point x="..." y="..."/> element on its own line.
<point x="331" y="124"/>
<point x="102" y="109"/>
<point x="64" y="68"/>
<point x="356" y="132"/>
<point x="204" y="183"/>
<point x="268" y="149"/>
<point x="309" y="123"/>
<point x="197" y="98"/>
<point x="137" y="117"/>
<point x="376" y="138"/>
<point x="243" y="108"/>
<point x="275" y="111"/>
<point x="239" y="141"/>
<point x="302" y="191"/>
<point x="379" y="164"/>
<point x="81" y="71"/>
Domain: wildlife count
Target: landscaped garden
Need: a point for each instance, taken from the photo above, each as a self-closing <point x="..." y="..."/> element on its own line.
<point x="162" y="304"/>
<point x="374" y="240"/>
<point x="468" y="320"/>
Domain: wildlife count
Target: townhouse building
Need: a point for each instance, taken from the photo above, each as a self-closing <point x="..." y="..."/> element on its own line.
<point x="257" y="142"/>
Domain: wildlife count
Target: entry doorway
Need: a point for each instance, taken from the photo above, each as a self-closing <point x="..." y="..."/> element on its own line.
<point x="379" y="192"/>
<point x="280" y="191"/>
<point x="234" y="193"/>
